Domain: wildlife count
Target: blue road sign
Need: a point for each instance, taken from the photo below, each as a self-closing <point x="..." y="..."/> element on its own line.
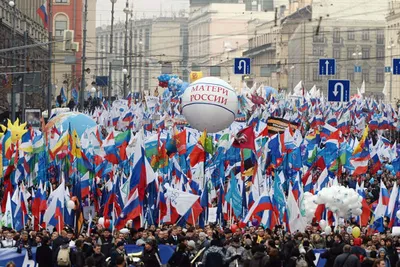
<point x="396" y="66"/>
<point x="242" y="66"/>
<point x="327" y="66"/>
<point x="357" y="69"/>
<point x="338" y="90"/>
<point x="388" y="69"/>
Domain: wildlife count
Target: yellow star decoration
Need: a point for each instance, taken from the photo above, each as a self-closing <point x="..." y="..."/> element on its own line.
<point x="17" y="130"/>
<point x="4" y="129"/>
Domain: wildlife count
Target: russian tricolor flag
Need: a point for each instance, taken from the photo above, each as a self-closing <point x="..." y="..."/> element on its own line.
<point x="42" y="12"/>
<point x="131" y="211"/>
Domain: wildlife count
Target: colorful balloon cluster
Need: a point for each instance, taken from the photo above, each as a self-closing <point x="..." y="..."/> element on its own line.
<point x="163" y="80"/>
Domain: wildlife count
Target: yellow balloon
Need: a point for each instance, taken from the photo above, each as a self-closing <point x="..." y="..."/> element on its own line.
<point x="356" y="232"/>
<point x="17" y="130"/>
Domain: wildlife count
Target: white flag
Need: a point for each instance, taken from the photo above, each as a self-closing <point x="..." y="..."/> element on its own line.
<point x="181" y="201"/>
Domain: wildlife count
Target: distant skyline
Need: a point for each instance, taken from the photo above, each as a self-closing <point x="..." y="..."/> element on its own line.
<point x="141" y="8"/>
<point x="145" y="8"/>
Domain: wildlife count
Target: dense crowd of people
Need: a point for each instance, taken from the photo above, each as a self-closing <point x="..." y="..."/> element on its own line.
<point x="208" y="247"/>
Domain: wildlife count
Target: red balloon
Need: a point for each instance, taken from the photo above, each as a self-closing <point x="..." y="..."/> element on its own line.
<point x="234" y="227"/>
<point x="107" y="223"/>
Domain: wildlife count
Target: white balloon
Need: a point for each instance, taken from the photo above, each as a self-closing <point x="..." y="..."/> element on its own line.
<point x="357" y="212"/>
<point x="322" y="224"/>
<point x="398" y="214"/>
<point x="210" y="103"/>
<point x="328" y="230"/>
<point x="101" y="221"/>
<point x="70" y="204"/>
<point x="124" y="231"/>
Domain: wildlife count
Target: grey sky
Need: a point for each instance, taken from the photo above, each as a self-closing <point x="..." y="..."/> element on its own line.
<point x="142" y="8"/>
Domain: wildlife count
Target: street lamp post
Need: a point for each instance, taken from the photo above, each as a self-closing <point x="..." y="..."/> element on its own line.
<point x="111" y="50"/>
<point x="83" y="81"/>
<point x="140" y="64"/>
<point x="390" y="47"/>
<point x="126" y="11"/>
<point x="12" y="5"/>
<point x="292" y="71"/>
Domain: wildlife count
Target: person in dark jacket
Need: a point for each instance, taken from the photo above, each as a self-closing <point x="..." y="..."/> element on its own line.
<point x="78" y="256"/>
<point x="150" y="255"/>
<point x="98" y="257"/>
<point x="336" y="249"/>
<point x="119" y="251"/>
<point x="346" y="259"/>
<point x="309" y="255"/>
<point x="44" y="254"/>
<point x="369" y="262"/>
<point x="391" y="252"/>
<point x="106" y="242"/>
<point x="260" y="257"/>
<point x="59" y="241"/>
<point x="180" y="258"/>
<point x="358" y="250"/>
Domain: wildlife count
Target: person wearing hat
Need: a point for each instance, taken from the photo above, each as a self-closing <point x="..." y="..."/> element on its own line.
<point x="106" y="242"/>
<point x="150" y="257"/>
<point x="119" y="251"/>
<point x="391" y="252"/>
<point x="43" y="254"/>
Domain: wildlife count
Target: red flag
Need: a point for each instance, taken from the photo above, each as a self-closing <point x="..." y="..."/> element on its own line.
<point x="245" y="139"/>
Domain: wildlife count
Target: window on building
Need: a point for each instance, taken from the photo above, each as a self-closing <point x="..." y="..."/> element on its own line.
<point x="318" y="50"/>
<point x="380" y="36"/>
<point x="350" y="74"/>
<point x="350" y="52"/>
<point x="365" y="75"/>
<point x="380" y="75"/>
<point x="316" y="76"/>
<point x="60" y="25"/>
<point x="61" y="1"/>
<point x="351" y="36"/>
<point x="336" y="52"/>
<point x="320" y="37"/>
<point x="365" y="35"/>
<point x="365" y="53"/>
<point x="380" y="52"/>
<point x="336" y="35"/>
<point x="215" y="71"/>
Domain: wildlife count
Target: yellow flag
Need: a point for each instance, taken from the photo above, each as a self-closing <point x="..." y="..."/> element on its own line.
<point x="195" y="75"/>
<point x="361" y="144"/>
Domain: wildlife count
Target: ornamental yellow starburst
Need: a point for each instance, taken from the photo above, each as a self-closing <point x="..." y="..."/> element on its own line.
<point x="17" y="130"/>
<point x="4" y="129"/>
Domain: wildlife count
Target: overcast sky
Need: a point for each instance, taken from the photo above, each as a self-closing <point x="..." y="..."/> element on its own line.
<point x="142" y="8"/>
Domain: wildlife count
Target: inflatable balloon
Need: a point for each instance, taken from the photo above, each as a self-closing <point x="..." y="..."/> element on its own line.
<point x="74" y="120"/>
<point x="234" y="227"/>
<point x="349" y="230"/>
<point x="71" y="204"/>
<point x="255" y="222"/>
<point x="107" y="223"/>
<point x="124" y="231"/>
<point x="398" y="214"/>
<point x="356" y="232"/>
<point x="322" y="224"/>
<point x="210" y="104"/>
<point x="16" y="129"/>
<point x="328" y="230"/>
<point x="101" y="221"/>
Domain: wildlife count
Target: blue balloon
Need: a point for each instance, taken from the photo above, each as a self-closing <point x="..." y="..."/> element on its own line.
<point x="380" y="172"/>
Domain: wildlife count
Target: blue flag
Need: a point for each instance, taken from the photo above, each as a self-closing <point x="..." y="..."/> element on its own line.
<point x="233" y="196"/>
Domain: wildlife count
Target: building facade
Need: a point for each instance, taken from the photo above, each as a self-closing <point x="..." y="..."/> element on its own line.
<point x="392" y="50"/>
<point x="29" y="30"/>
<point x="155" y="46"/>
<point x="356" y="42"/>
<point x="67" y="67"/>
<point x="217" y="37"/>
